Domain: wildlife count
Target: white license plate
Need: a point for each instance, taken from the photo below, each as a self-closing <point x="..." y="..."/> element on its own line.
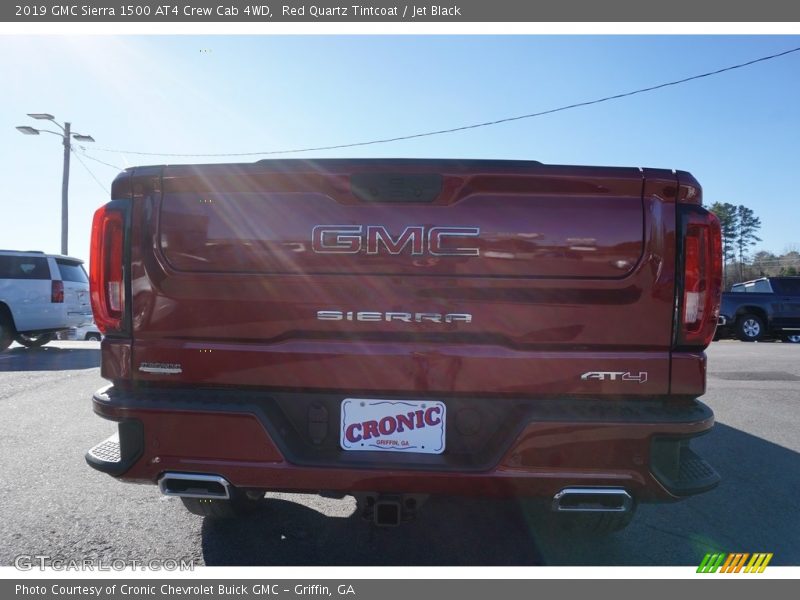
<point x="412" y="426"/>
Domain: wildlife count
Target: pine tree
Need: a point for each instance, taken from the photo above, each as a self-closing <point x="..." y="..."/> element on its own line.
<point x="729" y="221"/>
<point x="748" y="226"/>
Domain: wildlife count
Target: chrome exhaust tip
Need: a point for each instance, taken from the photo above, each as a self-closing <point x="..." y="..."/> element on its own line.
<point x="592" y="499"/>
<point x="192" y="485"/>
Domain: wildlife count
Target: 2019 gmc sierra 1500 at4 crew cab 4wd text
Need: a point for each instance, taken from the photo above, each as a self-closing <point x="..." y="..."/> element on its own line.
<point x="393" y="329"/>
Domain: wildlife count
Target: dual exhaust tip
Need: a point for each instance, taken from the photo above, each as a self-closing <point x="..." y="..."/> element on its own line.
<point x="190" y="485"/>
<point x="388" y="511"/>
<point x="592" y="499"/>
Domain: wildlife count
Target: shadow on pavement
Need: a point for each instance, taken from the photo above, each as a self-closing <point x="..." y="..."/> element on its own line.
<point x="754" y="509"/>
<point x="447" y="531"/>
<point x="49" y="359"/>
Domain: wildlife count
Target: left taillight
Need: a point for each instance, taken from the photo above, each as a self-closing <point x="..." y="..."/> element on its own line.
<point x="106" y="268"/>
<point x="57" y="292"/>
<point x="701" y="285"/>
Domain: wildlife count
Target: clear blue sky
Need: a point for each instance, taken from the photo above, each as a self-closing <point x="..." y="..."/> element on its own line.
<point x="738" y="133"/>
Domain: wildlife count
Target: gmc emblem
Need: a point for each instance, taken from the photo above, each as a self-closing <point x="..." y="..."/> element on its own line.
<point x="376" y="239"/>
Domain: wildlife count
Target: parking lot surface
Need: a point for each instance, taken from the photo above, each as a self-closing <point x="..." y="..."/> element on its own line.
<point x="55" y="505"/>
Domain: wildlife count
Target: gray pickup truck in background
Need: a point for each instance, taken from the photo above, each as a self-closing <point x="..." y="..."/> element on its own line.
<point x="763" y="308"/>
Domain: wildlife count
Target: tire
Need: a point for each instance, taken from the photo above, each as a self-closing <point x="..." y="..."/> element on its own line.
<point x="792" y="339"/>
<point x="750" y="328"/>
<point x="240" y="504"/>
<point x="33" y="341"/>
<point x="595" y="524"/>
<point x="92" y="337"/>
<point x="557" y="525"/>
<point x="6" y="332"/>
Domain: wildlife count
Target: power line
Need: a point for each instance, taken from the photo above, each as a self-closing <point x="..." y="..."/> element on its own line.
<point x="78" y="156"/>
<point x="97" y="160"/>
<point x="472" y="126"/>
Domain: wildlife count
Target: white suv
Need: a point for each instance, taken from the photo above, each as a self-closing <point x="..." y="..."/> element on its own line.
<point x="40" y="294"/>
<point x="89" y="333"/>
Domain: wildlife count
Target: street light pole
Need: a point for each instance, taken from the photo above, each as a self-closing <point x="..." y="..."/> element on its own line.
<point x="65" y="193"/>
<point x="66" y="135"/>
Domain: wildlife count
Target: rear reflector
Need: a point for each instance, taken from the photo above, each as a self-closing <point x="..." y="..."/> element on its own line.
<point x="106" y="281"/>
<point x="702" y="278"/>
<point x="57" y="292"/>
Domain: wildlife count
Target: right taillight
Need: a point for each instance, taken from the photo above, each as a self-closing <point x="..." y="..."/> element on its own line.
<point x="701" y="283"/>
<point x="106" y="274"/>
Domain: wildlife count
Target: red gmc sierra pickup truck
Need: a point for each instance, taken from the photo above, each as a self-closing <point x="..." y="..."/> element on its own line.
<point x="393" y="329"/>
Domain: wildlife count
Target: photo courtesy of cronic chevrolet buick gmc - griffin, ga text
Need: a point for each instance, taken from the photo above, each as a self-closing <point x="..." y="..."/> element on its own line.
<point x="393" y="329"/>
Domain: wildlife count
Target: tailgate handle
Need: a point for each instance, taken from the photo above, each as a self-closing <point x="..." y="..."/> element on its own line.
<point x="396" y="187"/>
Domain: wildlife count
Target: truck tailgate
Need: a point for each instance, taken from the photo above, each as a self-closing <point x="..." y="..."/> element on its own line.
<point x="400" y="276"/>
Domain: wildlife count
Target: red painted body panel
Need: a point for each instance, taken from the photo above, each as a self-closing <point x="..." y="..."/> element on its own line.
<point x="574" y="273"/>
<point x="688" y="374"/>
<point x="520" y="235"/>
<point x="370" y="366"/>
<point x="195" y="289"/>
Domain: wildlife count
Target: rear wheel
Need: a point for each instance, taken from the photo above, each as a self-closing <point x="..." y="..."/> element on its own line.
<point x="93" y="337"/>
<point x="240" y="504"/>
<point x="33" y="340"/>
<point x="6" y="332"/>
<point x="595" y="524"/>
<point x="750" y="328"/>
<point x="556" y="525"/>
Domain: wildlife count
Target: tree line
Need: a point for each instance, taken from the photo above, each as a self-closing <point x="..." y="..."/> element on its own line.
<point x="740" y="227"/>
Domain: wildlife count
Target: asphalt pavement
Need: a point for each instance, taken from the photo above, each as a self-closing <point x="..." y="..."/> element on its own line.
<point x="54" y="504"/>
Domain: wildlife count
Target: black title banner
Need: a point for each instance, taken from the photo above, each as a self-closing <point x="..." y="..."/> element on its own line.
<point x="452" y="11"/>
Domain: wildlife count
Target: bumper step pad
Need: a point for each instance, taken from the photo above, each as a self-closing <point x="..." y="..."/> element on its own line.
<point x="116" y="454"/>
<point x="695" y="472"/>
<point x="107" y="451"/>
<point x="679" y="469"/>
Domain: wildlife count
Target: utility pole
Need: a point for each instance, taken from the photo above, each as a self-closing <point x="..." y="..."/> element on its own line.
<point x="66" y="135"/>
<point x="65" y="193"/>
